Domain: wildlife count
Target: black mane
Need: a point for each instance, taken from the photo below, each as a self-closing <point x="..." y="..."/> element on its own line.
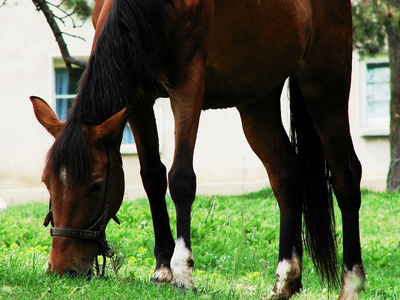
<point x="122" y="60"/>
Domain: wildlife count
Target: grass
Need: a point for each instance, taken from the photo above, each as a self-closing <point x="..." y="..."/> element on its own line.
<point x="234" y="241"/>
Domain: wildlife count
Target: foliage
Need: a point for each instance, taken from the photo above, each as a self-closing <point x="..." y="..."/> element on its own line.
<point x="235" y="244"/>
<point x="370" y="21"/>
<point x="369" y="31"/>
<point x="82" y="8"/>
<point x="377" y="28"/>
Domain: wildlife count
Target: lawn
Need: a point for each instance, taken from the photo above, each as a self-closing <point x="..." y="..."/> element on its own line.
<point x="234" y="241"/>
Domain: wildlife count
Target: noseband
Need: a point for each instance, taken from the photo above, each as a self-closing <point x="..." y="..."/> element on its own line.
<point x="91" y="233"/>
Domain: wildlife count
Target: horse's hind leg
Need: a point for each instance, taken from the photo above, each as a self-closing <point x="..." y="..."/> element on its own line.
<point x="324" y="80"/>
<point x="264" y="131"/>
<point x="154" y="179"/>
<point x="327" y="102"/>
<point x="328" y="109"/>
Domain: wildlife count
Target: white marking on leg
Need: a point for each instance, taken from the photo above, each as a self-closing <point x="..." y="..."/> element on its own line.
<point x="182" y="265"/>
<point x="282" y="272"/>
<point x="352" y="282"/>
<point x="288" y="278"/>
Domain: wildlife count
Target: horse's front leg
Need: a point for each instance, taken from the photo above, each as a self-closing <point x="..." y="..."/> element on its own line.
<point x="186" y="102"/>
<point x="154" y="179"/>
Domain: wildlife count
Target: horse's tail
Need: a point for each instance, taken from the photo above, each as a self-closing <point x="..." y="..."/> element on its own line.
<point x="319" y="221"/>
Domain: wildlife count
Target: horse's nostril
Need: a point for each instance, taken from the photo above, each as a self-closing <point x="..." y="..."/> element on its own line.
<point x="71" y="273"/>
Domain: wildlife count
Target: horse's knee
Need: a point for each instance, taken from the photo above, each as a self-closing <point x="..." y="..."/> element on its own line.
<point x="347" y="191"/>
<point x="182" y="185"/>
<point x="346" y="185"/>
<point x="287" y="188"/>
<point x="155" y="181"/>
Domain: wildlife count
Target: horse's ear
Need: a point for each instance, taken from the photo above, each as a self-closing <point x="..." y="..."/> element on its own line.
<point x="110" y="129"/>
<point x="46" y="116"/>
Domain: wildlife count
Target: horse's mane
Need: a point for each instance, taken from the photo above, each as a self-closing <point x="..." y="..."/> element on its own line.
<point x="122" y="60"/>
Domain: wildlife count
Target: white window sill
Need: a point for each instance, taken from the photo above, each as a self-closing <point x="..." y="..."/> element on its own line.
<point x="374" y="131"/>
<point x="128" y="149"/>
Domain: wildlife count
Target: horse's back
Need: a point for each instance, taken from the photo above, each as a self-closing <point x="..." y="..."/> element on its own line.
<point x="254" y="46"/>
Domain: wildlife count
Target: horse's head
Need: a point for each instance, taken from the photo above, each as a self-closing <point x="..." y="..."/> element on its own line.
<point x="81" y="204"/>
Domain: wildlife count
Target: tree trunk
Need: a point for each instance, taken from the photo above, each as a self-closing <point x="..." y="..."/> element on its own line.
<point x="393" y="33"/>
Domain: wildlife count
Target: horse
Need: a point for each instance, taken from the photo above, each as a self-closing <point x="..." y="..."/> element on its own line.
<point x="208" y="54"/>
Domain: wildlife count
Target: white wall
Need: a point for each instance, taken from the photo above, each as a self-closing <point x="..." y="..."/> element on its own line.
<point x="224" y="162"/>
<point x="373" y="152"/>
<point x="26" y="68"/>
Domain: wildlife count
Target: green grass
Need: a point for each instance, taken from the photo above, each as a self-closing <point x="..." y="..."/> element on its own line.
<point x="234" y="241"/>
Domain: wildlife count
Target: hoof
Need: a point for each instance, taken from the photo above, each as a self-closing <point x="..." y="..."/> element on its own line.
<point x="187" y="285"/>
<point x="162" y="275"/>
<point x="285" y="292"/>
<point x="182" y="264"/>
<point x="274" y="296"/>
<point x="288" y="278"/>
<point x="353" y="282"/>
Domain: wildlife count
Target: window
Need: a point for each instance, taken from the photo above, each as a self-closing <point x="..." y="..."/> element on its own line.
<point x="375" y="95"/>
<point x="65" y="91"/>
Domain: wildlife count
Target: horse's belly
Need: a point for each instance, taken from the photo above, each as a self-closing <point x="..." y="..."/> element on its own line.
<point x="254" y="47"/>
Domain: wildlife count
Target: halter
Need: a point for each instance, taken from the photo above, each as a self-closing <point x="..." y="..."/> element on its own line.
<point x="91" y="233"/>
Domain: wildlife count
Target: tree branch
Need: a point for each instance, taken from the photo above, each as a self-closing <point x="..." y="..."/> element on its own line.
<point x="68" y="59"/>
<point x="67" y="15"/>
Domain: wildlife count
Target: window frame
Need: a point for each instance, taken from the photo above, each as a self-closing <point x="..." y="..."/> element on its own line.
<point x="371" y="127"/>
<point x="126" y="149"/>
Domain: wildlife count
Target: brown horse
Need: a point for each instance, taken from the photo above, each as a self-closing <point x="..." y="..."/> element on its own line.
<point x="211" y="54"/>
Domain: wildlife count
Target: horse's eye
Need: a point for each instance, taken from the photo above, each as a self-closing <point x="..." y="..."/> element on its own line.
<point x="96" y="187"/>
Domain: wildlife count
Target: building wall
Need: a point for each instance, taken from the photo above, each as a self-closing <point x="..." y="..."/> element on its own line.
<point x="224" y="163"/>
<point x="372" y="150"/>
<point x="26" y="68"/>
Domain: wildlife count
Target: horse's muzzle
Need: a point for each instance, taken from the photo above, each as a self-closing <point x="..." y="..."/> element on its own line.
<point x="86" y="273"/>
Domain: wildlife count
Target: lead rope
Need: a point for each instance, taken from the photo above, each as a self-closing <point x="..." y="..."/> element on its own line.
<point x="113" y="266"/>
<point x="96" y="264"/>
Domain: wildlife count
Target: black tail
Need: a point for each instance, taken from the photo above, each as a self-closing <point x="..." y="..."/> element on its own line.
<point x="319" y="222"/>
